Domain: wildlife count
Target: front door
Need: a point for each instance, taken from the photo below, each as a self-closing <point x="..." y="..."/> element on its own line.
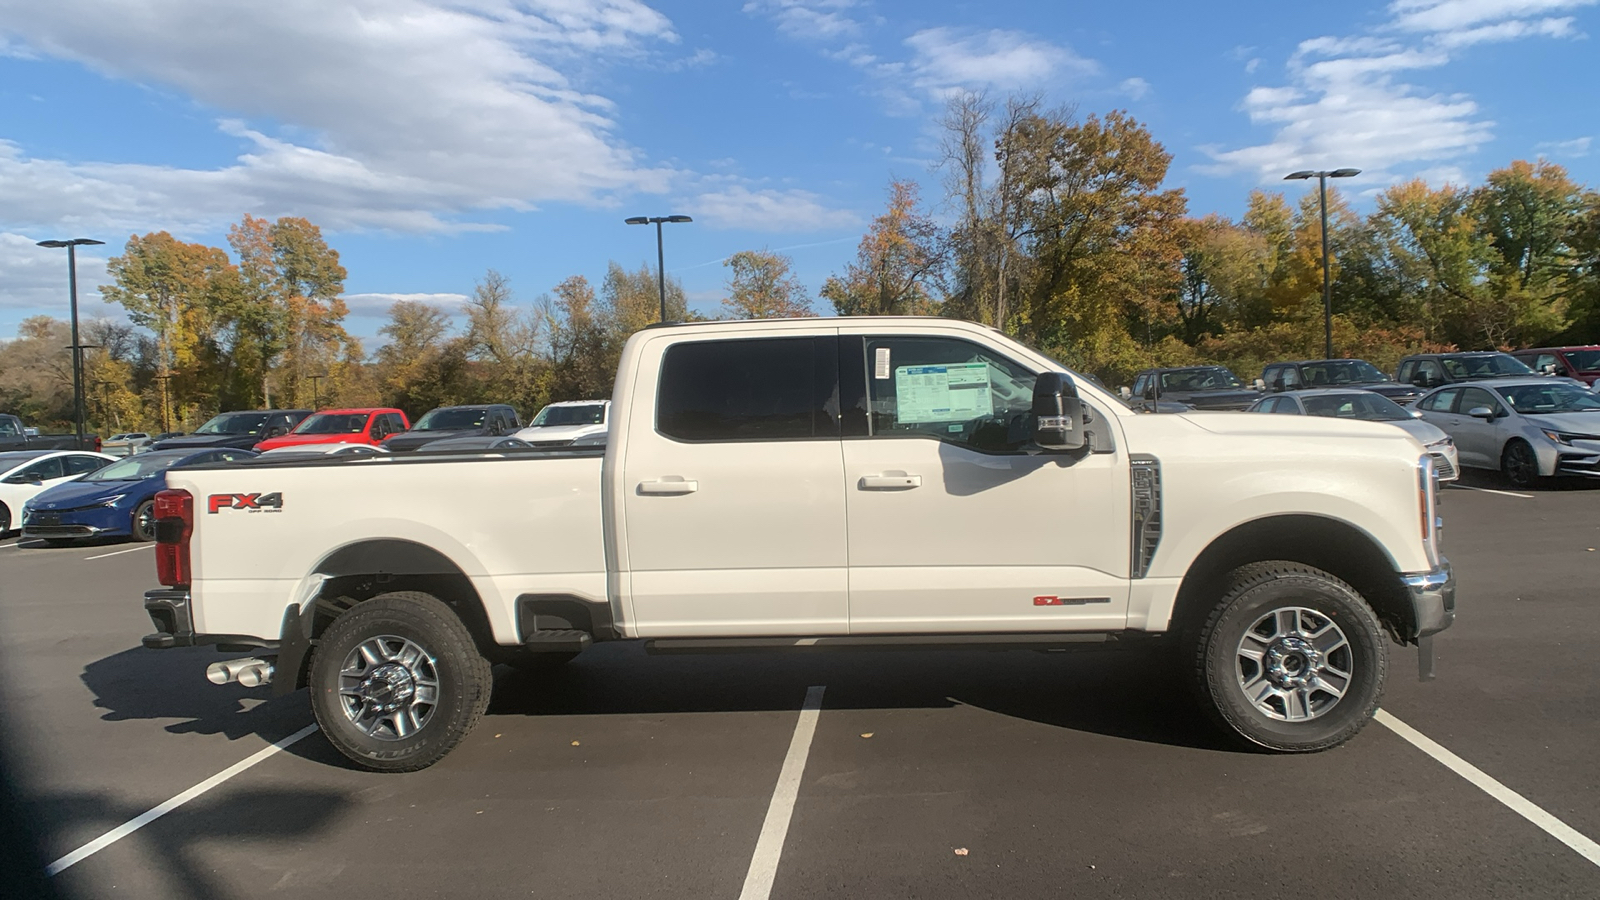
<point x="1479" y="440"/>
<point x="733" y="493"/>
<point x="952" y="527"/>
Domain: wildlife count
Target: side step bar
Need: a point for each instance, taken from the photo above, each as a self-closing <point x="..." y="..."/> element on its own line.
<point x="667" y="646"/>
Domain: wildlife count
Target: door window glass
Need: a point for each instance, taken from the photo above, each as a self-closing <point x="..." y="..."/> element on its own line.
<point x="43" y="470"/>
<point x="1268" y="405"/>
<point x="78" y="465"/>
<point x="1444" y="401"/>
<point x="1472" y="398"/>
<point x="8" y="426"/>
<point x="1287" y="406"/>
<point x="764" y="389"/>
<point x="1429" y="369"/>
<point x="948" y="389"/>
<point x="1291" y="378"/>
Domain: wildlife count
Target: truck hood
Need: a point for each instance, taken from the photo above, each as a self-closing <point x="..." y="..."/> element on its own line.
<point x="1213" y="399"/>
<point x="553" y="433"/>
<point x="411" y="440"/>
<point x="301" y="440"/>
<point x="201" y="441"/>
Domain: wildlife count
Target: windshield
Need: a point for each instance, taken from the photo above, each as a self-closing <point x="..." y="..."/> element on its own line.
<point x="333" y="423"/>
<point x="1343" y="371"/>
<point x="589" y="414"/>
<point x="1355" y="405"/>
<point x="1584" y="360"/>
<point x="234" y="423"/>
<point x="1210" y="378"/>
<point x="1555" y="397"/>
<point x="137" y="468"/>
<point x="452" y="419"/>
<point x="1488" y="365"/>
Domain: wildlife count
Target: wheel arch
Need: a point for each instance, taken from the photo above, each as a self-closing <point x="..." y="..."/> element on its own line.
<point x="1332" y="545"/>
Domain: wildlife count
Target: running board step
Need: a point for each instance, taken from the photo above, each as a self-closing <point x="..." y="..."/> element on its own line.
<point x="879" y="642"/>
<point x="558" y="640"/>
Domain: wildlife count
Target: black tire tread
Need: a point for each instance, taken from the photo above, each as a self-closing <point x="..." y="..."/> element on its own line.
<point x="1238" y="582"/>
<point x="432" y="614"/>
<point x="1505" y="469"/>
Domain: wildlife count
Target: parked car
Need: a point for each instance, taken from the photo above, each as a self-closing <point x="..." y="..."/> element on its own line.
<point x="562" y="423"/>
<point x="1430" y="370"/>
<point x="930" y="482"/>
<point x="1528" y="428"/>
<point x="242" y="430"/>
<point x="1368" y="406"/>
<point x="114" y="501"/>
<point x="455" y="421"/>
<point x="480" y="442"/>
<point x="1334" y="373"/>
<point x="1578" y="363"/>
<point x="1196" y="387"/>
<point x="16" y="436"/>
<point x="126" y="444"/>
<point x="307" y="450"/>
<point x="24" y="474"/>
<point x="341" y="426"/>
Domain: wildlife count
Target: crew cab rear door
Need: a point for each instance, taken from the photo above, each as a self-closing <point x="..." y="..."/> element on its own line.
<point x="952" y="526"/>
<point x="732" y="486"/>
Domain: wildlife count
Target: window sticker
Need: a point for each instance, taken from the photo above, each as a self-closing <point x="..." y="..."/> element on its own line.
<point x="881" y="368"/>
<point x="954" y="393"/>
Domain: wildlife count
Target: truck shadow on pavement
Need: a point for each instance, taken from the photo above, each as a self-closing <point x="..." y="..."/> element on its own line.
<point x="1131" y="694"/>
<point x="171" y="684"/>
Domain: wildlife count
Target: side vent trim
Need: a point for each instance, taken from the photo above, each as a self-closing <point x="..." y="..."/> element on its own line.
<point x="1146" y="482"/>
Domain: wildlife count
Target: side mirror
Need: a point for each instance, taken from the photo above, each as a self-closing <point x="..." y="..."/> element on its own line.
<point x="1125" y="393"/>
<point x="1548" y="368"/>
<point x="277" y="431"/>
<point x="1481" y="412"/>
<point x="1259" y="385"/>
<point x="1057" y="413"/>
<point x="1416" y="413"/>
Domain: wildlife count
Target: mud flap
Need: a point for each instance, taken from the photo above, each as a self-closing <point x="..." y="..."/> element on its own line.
<point x="1425" y="658"/>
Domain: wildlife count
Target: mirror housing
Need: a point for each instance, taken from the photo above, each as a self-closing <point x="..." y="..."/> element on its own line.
<point x="1125" y="392"/>
<point x="1057" y="413"/>
<point x="1481" y="412"/>
<point x="1259" y="385"/>
<point x="1415" y="413"/>
<point x="1548" y="368"/>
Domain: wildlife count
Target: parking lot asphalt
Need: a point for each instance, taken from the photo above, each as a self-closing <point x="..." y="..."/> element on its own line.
<point x="967" y="773"/>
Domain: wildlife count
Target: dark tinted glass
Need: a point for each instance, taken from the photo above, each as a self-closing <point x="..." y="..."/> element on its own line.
<point x="764" y="389"/>
<point x="78" y="465"/>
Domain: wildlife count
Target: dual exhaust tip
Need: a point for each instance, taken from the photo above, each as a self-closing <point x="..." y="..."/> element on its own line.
<point x="250" y="672"/>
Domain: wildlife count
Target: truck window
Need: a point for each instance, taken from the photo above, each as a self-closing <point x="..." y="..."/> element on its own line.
<point x="8" y="426"/>
<point x="948" y="389"/>
<point x="766" y="389"/>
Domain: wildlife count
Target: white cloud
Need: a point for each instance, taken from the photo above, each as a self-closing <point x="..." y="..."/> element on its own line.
<point x="396" y="114"/>
<point x="768" y="210"/>
<point x="821" y="20"/>
<point x="945" y="59"/>
<point x="34" y="278"/>
<point x="1135" y="88"/>
<point x="377" y="305"/>
<point x="1345" y="104"/>
<point x="1251" y="66"/>
<point x="1574" y="148"/>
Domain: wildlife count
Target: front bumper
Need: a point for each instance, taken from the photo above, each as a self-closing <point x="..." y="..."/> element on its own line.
<point x="84" y="522"/>
<point x="1433" y="599"/>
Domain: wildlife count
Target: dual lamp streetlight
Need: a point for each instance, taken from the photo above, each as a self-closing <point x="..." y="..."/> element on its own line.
<point x="661" y="264"/>
<point x="1327" y="295"/>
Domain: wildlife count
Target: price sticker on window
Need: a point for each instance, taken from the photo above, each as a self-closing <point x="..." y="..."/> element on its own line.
<point x="880" y="368"/>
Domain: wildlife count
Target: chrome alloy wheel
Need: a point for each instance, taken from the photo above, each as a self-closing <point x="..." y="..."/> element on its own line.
<point x="389" y="687"/>
<point x="1294" y="664"/>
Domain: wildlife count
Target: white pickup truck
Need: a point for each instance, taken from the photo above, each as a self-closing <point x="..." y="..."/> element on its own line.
<point x="820" y="483"/>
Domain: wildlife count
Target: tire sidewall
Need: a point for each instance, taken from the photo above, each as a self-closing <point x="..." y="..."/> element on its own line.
<point x="451" y="716"/>
<point x="5" y="520"/>
<point x="1342" y="606"/>
<point x="133" y="523"/>
<point x="1510" y="472"/>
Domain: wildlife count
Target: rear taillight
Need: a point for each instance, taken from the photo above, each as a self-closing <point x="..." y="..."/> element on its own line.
<point x="174" y="514"/>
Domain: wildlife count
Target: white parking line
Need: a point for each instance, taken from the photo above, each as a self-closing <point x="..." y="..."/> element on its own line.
<point x="119" y="552"/>
<point x="764" y="862"/>
<point x="1468" y="487"/>
<point x="134" y="824"/>
<point x="1517" y="803"/>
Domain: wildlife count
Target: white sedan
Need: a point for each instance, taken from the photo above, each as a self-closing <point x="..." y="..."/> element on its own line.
<point x="26" y="473"/>
<point x="1348" y="403"/>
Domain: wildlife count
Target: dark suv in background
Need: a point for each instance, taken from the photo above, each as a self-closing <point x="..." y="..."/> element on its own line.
<point x="1429" y="370"/>
<point x="1195" y="387"/>
<point x="241" y="430"/>
<point x="1335" y="373"/>
<point x="455" y="422"/>
<point x="1578" y="363"/>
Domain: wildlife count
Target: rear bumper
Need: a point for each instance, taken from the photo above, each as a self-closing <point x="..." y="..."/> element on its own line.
<point x="1433" y="599"/>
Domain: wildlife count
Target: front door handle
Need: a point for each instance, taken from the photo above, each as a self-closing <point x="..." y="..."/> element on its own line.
<point x="671" y="484"/>
<point x="890" y="481"/>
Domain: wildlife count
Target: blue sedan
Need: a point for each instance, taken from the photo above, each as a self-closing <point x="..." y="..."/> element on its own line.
<point x="115" y="501"/>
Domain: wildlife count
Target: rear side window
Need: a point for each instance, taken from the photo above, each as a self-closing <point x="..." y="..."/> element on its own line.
<point x="1443" y="401"/>
<point x="769" y="389"/>
<point x="78" y="465"/>
<point x="1287" y="406"/>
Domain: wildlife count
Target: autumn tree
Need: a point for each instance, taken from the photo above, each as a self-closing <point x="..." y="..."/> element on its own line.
<point x="899" y="263"/>
<point x="508" y="341"/>
<point x="760" y="286"/>
<point x="580" y="342"/>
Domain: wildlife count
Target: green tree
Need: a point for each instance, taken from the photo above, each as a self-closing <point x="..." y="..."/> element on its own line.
<point x="760" y="286"/>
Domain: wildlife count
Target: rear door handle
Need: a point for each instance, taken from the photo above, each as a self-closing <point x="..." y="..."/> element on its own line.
<point x="890" y="481"/>
<point x="672" y="484"/>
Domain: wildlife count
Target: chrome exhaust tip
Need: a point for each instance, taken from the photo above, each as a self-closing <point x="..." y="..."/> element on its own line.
<point x="250" y="672"/>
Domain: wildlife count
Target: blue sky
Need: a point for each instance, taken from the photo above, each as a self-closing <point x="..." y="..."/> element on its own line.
<point x="435" y="140"/>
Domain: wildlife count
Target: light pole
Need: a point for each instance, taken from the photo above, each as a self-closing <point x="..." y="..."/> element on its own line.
<point x="661" y="263"/>
<point x="1327" y="295"/>
<point x="316" y="398"/>
<point x="77" y="349"/>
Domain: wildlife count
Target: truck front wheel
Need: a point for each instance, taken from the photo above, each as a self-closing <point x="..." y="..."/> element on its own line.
<point x="1291" y="658"/>
<point x="397" y="682"/>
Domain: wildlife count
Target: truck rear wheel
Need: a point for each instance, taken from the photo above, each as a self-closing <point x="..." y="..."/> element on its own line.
<point x="1291" y="658"/>
<point x="397" y="682"/>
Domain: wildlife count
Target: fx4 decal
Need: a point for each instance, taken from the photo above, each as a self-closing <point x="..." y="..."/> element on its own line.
<point x="253" y="502"/>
